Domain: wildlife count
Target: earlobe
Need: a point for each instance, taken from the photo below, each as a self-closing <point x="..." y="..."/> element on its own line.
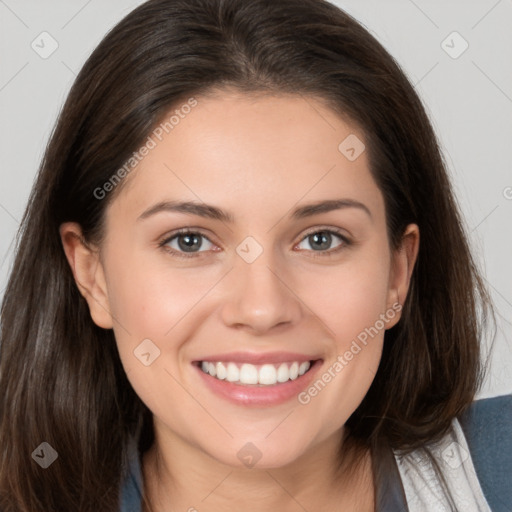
<point x="88" y="273"/>
<point x="403" y="262"/>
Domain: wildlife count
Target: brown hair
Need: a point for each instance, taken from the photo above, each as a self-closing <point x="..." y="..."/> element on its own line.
<point x="61" y="377"/>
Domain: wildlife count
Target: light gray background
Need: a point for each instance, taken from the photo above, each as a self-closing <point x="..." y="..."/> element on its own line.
<point x="469" y="99"/>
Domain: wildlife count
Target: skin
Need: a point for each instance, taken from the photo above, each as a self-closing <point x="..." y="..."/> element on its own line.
<point x="258" y="158"/>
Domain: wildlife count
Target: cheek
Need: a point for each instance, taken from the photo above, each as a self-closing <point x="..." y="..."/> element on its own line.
<point x="157" y="310"/>
<point x="351" y="300"/>
<point x="349" y="297"/>
<point x="152" y="299"/>
<point x="148" y="293"/>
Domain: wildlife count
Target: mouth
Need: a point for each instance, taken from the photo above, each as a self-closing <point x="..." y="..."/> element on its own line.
<point x="260" y="383"/>
<point x="248" y="374"/>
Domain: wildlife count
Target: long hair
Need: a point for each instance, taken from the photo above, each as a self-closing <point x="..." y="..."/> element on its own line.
<point x="61" y="378"/>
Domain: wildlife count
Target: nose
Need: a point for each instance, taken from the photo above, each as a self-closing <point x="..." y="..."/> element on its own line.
<point x="260" y="296"/>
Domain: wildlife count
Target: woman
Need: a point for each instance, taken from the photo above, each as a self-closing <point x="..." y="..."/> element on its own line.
<point x="242" y="281"/>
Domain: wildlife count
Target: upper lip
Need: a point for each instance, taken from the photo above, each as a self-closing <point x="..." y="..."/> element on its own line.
<point x="258" y="358"/>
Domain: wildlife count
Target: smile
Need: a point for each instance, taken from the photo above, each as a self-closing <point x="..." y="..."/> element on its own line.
<point x="259" y="375"/>
<point x="268" y="380"/>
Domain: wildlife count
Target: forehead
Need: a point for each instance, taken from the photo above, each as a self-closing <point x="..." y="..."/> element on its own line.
<point x="261" y="151"/>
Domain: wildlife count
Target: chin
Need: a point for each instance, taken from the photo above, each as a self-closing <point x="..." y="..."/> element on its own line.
<point x="259" y="454"/>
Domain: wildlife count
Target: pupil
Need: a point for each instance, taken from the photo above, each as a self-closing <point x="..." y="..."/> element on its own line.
<point x="189" y="242"/>
<point x="323" y="238"/>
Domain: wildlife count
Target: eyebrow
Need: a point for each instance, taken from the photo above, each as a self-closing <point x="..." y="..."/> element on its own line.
<point x="213" y="212"/>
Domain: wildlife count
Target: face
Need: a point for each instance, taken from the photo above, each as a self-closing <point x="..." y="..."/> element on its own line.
<point x="286" y="306"/>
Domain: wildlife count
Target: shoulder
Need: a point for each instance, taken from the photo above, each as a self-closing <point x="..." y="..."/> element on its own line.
<point x="487" y="427"/>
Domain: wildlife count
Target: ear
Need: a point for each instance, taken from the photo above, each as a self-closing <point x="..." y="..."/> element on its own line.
<point x="403" y="260"/>
<point x="88" y="272"/>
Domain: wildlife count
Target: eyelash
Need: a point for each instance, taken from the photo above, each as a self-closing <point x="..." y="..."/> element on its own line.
<point x="319" y="254"/>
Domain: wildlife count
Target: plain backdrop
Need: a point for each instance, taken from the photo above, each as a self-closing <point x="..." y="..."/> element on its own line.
<point x="458" y="54"/>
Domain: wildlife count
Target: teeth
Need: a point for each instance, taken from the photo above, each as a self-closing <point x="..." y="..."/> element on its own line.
<point x="264" y="375"/>
<point x="283" y="373"/>
<point x="294" y="371"/>
<point x="267" y="374"/>
<point x="304" y="367"/>
<point x="221" y="371"/>
<point x="233" y="373"/>
<point x="248" y="374"/>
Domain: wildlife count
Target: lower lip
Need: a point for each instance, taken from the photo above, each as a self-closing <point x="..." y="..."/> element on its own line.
<point x="260" y="395"/>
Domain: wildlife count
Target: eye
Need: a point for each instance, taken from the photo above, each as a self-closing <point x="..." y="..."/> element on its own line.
<point x="321" y="241"/>
<point x="185" y="243"/>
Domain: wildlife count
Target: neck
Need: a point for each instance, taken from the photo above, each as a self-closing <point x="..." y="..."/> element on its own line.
<point x="180" y="477"/>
